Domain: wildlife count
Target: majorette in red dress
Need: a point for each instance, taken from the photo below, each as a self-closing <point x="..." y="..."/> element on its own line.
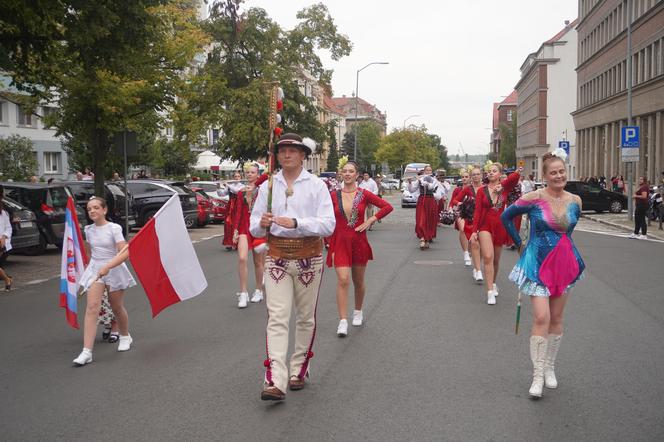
<point x="229" y="222"/>
<point x="455" y="192"/>
<point x="466" y="196"/>
<point x="487" y="213"/>
<point x="243" y="208"/>
<point x="348" y="247"/>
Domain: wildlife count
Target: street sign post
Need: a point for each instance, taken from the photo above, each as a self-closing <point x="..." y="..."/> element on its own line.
<point x="630" y="141"/>
<point x="564" y="144"/>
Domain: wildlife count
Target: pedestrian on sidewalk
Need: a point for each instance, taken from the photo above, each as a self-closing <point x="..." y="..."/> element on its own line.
<point x="349" y="247"/>
<point x="641" y="198"/>
<point x="302" y="214"/>
<point x="105" y="271"/>
<point x="550" y="264"/>
<point x="490" y="203"/>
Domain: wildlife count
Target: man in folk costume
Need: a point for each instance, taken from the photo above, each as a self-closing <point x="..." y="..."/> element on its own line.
<point x="302" y="215"/>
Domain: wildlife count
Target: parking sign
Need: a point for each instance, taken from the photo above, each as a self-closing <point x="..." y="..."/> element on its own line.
<point x="630" y="141"/>
<point x="564" y="145"/>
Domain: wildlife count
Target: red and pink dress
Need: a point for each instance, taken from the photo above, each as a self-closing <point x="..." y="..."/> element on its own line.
<point x="243" y="207"/>
<point x="347" y="247"/>
<point x="486" y="217"/>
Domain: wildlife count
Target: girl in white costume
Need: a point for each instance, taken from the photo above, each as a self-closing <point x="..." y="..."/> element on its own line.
<point x="104" y="270"/>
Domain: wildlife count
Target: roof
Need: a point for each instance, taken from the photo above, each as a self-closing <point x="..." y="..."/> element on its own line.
<point x="329" y="104"/>
<point x="511" y="99"/>
<point x="562" y="32"/>
<point x="346" y="102"/>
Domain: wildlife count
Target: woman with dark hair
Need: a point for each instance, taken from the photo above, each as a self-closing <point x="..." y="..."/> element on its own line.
<point x="641" y="198"/>
<point x="490" y="203"/>
<point x="349" y="248"/>
<point x="549" y="265"/>
<point x="105" y="271"/>
<point x="5" y="238"/>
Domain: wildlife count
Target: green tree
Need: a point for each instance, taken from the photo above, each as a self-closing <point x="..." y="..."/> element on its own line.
<point x="17" y="159"/>
<point x="333" y="154"/>
<point x="114" y="65"/>
<point x="507" y="154"/>
<point x="347" y="144"/>
<point x="368" y="141"/>
<point x="249" y="52"/>
<point x="408" y="145"/>
<point x="443" y="160"/>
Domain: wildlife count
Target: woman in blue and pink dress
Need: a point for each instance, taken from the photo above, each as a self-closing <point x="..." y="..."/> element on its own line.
<point x="549" y="265"/>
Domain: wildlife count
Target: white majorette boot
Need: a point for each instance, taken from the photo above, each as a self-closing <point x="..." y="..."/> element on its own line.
<point x="84" y="358"/>
<point x="466" y="259"/>
<point x="491" y="297"/>
<point x="342" y="330"/>
<point x="258" y="296"/>
<point x="242" y="299"/>
<point x="538" y="357"/>
<point x="552" y="346"/>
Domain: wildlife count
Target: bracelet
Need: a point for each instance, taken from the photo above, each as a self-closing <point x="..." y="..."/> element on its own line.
<point x="295" y="221"/>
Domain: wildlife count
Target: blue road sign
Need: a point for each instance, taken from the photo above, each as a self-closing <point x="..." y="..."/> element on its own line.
<point x="564" y="145"/>
<point x="630" y="137"/>
<point x="630" y="141"/>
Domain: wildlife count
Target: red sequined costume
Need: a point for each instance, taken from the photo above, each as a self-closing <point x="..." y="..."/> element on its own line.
<point x="426" y="214"/>
<point x="487" y="213"/>
<point x="348" y="247"/>
<point x="455" y="192"/>
<point x="229" y="222"/>
<point x="243" y="208"/>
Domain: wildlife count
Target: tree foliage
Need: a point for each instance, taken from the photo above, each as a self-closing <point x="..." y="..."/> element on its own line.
<point x="17" y="160"/>
<point x="333" y="154"/>
<point x="115" y="65"/>
<point x="409" y="145"/>
<point x="250" y="51"/>
<point x="507" y="154"/>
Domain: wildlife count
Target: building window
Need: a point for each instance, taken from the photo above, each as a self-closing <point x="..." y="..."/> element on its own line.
<point x="47" y="111"/>
<point x="3" y="112"/>
<point x="25" y="119"/>
<point x="52" y="162"/>
<point x="509" y="115"/>
<point x="169" y="131"/>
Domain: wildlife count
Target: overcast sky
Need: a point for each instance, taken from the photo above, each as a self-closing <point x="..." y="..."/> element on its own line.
<point x="449" y="60"/>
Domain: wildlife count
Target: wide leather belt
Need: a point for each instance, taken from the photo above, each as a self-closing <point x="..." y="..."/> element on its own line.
<point x="294" y="248"/>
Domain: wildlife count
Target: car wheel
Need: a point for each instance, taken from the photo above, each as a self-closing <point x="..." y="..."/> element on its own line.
<point x="189" y="222"/>
<point x="615" y="206"/>
<point x="39" y="249"/>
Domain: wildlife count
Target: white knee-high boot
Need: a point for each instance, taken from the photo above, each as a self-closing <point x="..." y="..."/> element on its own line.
<point x="538" y="357"/>
<point x="552" y="346"/>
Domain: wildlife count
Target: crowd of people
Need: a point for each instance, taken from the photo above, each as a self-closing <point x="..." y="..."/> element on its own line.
<point x="288" y="221"/>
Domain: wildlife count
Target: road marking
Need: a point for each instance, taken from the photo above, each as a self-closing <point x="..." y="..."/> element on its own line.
<point x="38" y="281"/>
<point x="616" y="234"/>
<point x="434" y="263"/>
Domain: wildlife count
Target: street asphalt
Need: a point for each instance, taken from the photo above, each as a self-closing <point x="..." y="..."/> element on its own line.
<point x="432" y="362"/>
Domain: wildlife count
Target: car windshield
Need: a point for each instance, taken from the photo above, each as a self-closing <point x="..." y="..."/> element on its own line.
<point x="115" y="190"/>
<point x="207" y="187"/>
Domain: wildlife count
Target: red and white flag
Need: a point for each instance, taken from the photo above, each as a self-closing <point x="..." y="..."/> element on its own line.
<point x="164" y="258"/>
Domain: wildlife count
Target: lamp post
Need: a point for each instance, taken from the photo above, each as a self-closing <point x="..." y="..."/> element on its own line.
<point x="357" y="99"/>
<point x="408" y="118"/>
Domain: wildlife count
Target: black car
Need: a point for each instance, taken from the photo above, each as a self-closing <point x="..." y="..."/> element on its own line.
<point x="115" y="199"/>
<point x="48" y="202"/>
<point x="25" y="233"/>
<point x="150" y="195"/>
<point x="593" y="197"/>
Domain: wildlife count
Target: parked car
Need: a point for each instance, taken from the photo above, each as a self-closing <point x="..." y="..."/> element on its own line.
<point x="115" y="199"/>
<point x="327" y="175"/>
<point x="25" y="233"/>
<point x="204" y="201"/>
<point x="209" y="187"/>
<point x="48" y="203"/>
<point x="593" y="197"/>
<point x="390" y="183"/>
<point x="407" y="199"/>
<point x="150" y="195"/>
<point x="219" y="209"/>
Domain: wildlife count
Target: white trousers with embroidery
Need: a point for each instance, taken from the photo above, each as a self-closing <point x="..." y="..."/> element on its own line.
<point x="288" y="283"/>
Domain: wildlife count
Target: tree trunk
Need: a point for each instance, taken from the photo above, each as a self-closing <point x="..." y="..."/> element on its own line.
<point x="99" y="155"/>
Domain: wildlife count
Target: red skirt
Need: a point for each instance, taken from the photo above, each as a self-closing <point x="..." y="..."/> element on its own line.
<point x="468" y="229"/>
<point x="494" y="226"/>
<point x="348" y="248"/>
<point x="426" y="217"/>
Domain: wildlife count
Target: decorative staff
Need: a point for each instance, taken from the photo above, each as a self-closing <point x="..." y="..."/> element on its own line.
<point x="518" y="313"/>
<point x="276" y="104"/>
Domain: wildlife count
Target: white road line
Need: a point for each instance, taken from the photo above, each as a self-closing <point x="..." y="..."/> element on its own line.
<point x="616" y="234"/>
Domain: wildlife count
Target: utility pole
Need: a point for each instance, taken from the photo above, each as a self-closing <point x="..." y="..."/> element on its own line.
<point x="630" y="165"/>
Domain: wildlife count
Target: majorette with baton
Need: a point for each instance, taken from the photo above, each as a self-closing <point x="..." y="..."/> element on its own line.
<point x="550" y="264"/>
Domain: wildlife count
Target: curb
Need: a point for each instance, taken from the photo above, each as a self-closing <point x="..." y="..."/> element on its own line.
<point x="617" y="225"/>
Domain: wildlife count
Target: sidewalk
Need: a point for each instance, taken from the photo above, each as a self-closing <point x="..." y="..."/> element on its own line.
<point x="621" y="221"/>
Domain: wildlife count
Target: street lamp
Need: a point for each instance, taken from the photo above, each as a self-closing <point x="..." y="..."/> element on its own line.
<point x="357" y="99"/>
<point x="408" y="118"/>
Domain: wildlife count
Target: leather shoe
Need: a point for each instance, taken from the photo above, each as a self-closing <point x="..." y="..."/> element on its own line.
<point x="296" y="383"/>
<point x="272" y="393"/>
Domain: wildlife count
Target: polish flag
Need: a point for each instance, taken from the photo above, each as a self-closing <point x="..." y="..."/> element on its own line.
<point x="164" y="258"/>
<point x="72" y="263"/>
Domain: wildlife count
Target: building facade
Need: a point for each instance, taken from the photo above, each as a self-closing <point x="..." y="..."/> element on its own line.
<point x="365" y="112"/>
<point x="547" y="98"/>
<point x="602" y="85"/>
<point x="52" y="161"/>
<point x="503" y="113"/>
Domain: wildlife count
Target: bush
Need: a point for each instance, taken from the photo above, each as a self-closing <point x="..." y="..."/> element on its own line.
<point x="17" y="159"/>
